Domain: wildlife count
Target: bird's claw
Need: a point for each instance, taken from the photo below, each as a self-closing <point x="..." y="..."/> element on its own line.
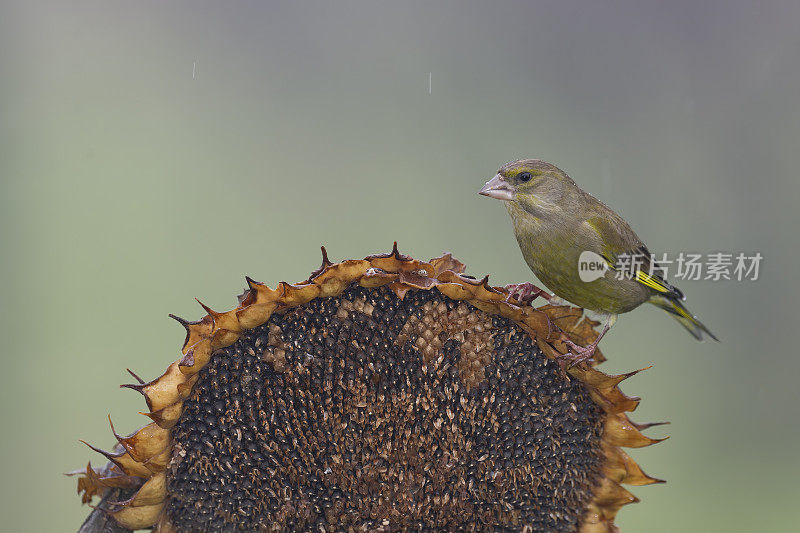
<point x="570" y="360"/>
<point x="576" y="355"/>
<point x="525" y="293"/>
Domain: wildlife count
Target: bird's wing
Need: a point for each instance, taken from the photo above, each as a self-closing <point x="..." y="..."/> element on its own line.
<point x="624" y="252"/>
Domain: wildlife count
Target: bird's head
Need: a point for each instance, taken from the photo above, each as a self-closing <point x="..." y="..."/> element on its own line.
<point x="530" y="182"/>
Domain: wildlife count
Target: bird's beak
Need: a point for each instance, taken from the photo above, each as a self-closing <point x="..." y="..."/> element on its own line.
<point x="498" y="187"/>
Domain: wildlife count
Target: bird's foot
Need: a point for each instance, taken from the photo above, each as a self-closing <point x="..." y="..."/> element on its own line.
<point x="525" y="293"/>
<point x="580" y="354"/>
<point x="575" y="356"/>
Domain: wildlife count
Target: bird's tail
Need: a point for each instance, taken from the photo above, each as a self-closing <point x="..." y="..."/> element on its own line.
<point x="682" y="315"/>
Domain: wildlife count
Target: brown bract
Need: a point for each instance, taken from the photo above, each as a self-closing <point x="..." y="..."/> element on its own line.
<point x="140" y="459"/>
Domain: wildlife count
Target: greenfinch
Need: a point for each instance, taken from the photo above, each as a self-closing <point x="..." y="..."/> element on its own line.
<point x="581" y="250"/>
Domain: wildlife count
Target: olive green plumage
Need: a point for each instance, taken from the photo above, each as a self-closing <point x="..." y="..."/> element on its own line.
<point x="555" y="221"/>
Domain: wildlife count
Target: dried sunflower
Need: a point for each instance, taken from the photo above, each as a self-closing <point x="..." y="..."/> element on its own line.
<point x="380" y="394"/>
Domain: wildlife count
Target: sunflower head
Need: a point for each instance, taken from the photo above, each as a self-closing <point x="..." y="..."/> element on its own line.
<point x="380" y="394"/>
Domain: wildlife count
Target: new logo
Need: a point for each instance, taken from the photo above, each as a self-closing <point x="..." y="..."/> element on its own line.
<point x="591" y="266"/>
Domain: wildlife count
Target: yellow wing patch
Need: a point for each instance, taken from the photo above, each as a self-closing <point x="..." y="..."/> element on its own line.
<point x="652" y="282"/>
<point x="655" y="283"/>
<point x="641" y="255"/>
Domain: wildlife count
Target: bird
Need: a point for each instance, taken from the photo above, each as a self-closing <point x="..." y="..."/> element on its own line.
<point x="563" y="230"/>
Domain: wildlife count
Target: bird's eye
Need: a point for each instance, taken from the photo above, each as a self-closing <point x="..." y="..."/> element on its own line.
<point x="524" y="176"/>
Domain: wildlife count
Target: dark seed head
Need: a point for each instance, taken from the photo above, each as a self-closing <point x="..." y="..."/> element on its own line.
<point x="424" y="412"/>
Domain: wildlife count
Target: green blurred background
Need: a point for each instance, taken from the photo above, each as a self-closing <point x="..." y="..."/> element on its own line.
<point x="130" y="186"/>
